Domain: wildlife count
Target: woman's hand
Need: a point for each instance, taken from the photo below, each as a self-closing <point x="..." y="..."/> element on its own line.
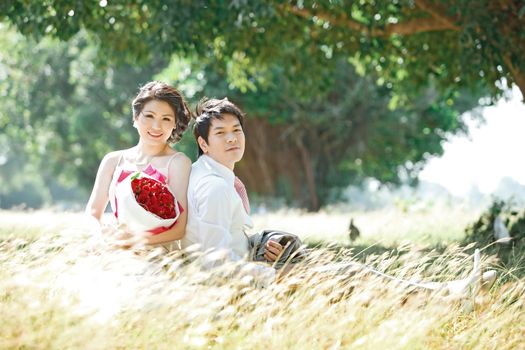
<point x="272" y="250"/>
<point x="120" y="237"/>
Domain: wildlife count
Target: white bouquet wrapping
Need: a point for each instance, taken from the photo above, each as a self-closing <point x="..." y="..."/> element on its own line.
<point x="144" y="203"/>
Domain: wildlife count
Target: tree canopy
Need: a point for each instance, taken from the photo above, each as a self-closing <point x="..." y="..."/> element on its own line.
<point x="457" y="42"/>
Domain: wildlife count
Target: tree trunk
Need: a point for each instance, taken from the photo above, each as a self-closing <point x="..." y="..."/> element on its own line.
<point x="309" y="174"/>
<point x="270" y="163"/>
<point x="517" y="75"/>
<point x="260" y="137"/>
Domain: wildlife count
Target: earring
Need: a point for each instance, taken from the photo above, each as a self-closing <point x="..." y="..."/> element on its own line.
<point x="135" y="124"/>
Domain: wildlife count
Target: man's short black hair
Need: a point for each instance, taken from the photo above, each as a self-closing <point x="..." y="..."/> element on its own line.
<point x="209" y="109"/>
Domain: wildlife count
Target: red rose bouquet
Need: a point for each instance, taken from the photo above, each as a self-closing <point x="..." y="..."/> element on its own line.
<point x="143" y="202"/>
<point x="153" y="196"/>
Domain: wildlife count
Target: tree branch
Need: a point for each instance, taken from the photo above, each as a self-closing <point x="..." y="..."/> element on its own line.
<point x="405" y="28"/>
<point x="437" y="12"/>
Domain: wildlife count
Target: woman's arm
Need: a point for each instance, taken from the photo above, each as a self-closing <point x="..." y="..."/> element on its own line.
<point x="179" y="174"/>
<point x="99" y="195"/>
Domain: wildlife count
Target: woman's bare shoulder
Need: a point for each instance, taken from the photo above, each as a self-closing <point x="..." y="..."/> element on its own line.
<point x="113" y="156"/>
<point x="179" y="159"/>
<point x="111" y="159"/>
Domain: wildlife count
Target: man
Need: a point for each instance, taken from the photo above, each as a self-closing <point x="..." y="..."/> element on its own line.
<point x="218" y="207"/>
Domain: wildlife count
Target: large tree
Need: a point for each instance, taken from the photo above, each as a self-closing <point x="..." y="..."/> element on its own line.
<point x="62" y="112"/>
<point x="291" y="65"/>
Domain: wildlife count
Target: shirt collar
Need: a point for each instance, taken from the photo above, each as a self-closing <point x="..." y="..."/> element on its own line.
<point x="218" y="168"/>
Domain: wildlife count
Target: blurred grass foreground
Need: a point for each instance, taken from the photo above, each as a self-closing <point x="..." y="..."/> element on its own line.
<point x="58" y="290"/>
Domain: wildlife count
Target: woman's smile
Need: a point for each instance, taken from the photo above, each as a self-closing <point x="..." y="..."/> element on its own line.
<point x="155" y="135"/>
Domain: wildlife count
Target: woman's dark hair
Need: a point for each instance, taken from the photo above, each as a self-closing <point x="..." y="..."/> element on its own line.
<point x="209" y="109"/>
<point x="157" y="90"/>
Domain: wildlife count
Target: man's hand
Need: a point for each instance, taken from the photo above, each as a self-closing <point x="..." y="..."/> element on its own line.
<point x="272" y="250"/>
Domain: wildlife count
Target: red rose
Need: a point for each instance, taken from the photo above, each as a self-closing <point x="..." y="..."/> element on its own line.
<point x="135" y="186"/>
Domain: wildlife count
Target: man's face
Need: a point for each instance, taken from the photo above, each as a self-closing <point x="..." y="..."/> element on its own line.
<point x="225" y="141"/>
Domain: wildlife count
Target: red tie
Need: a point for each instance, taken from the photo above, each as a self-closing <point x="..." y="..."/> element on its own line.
<point x="241" y="190"/>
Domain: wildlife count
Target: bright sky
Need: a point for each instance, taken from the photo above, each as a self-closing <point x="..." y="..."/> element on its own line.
<point x="493" y="150"/>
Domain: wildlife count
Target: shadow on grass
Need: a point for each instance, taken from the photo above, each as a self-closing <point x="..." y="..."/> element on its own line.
<point x="361" y="251"/>
<point x="510" y="260"/>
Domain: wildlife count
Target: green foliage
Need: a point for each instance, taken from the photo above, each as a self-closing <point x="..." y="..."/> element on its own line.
<point x="398" y="40"/>
<point x="21" y="186"/>
<point x="62" y="112"/>
<point x="482" y="231"/>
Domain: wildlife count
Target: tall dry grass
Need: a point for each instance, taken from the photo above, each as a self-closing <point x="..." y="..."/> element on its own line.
<point x="60" y="289"/>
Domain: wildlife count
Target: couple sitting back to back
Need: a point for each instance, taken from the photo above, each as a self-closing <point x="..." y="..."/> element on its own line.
<point x="215" y="206"/>
<point x="214" y="215"/>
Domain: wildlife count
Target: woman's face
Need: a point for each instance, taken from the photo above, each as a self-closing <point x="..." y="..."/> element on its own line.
<point x="156" y="122"/>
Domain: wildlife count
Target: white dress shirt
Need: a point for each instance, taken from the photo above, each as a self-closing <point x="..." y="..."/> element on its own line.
<point x="217" y="219"/>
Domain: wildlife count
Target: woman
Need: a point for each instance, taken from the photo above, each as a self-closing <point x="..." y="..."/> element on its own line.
<point x="160" y="116"/>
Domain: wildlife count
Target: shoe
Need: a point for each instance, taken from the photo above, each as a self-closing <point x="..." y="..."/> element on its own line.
<point x="468" y="301"/>
<point x="471" y="285"/>
<point x="487" y="280"/>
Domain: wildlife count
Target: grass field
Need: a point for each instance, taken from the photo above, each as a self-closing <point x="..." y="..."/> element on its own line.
<point x="61" y="289"/>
